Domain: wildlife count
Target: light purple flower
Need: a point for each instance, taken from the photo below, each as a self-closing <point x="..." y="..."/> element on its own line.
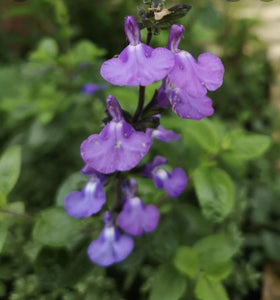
<point x="173" y="182"/>
<point x="87" y="202"/>
<point x="118" y="147"/>
<point x="185" y="105"/>
<point x="137" y="218"/>
<point x="111" y="246"/>
<point x="194" y="77"/>
<point x="137" y="64"/>
<point x="165" y="135"/>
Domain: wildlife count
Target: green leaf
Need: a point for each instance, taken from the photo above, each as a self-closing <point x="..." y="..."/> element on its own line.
<point x="46" y="51"/>
<point x="243" y="146"/>
<point x="215" y="251"/>
<point x="207" y="289"/>
<point x="219" y="270"/>
<point x="10" y="162"/>
<point x="55" y="228"/>
<point x="168" y="284"/>
<point x="187" y="261"/>
<point x="3" y="235"/>
<point x="271" y="243"/>
<point x="204" y="133"/>
<point x="215" y="192"/>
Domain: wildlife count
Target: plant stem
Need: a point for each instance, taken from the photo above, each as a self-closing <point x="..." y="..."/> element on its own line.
<point x="25" y="216"/>
<point x="141" y="98"/>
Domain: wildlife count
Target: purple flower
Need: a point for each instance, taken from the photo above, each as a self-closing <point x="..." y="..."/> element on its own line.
<point x="162" y="99"/>
<point x="194" y="77"/>
<point x="173" y="182"/>
<point x="163" y="134"/>
<point x="90" y="88"/>
<point x="118" y="147"/>
<point x="111" y="246"/>
<point x="137" y="218"/>
<point x="138" y="64"/>
<point x="183" y="104"/>
<point x="87" y="202"/>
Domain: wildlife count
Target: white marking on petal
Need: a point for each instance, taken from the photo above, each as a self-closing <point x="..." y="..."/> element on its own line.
<point x="135" y="201"/>
<point x="90" y="188"/>
<point x="109" y="234"/>
<point x="162" y="174"/>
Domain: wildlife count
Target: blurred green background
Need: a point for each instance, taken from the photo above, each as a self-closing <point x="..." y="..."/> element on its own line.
<point x="226" y="248"/>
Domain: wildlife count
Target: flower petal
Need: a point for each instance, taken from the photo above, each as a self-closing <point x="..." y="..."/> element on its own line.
<point x="210" y="71"/>
<point x="117" y="147"/>
<point x="106" y="252"/>
<point x="136" y="218"/>
<point x="86" y="203"/>
<point x="196" y="77"/>
<point x="176" y="183"/>
<point x="165" y="135"/>
<point x="138" y="65"/>
<point x="190" y="107"/>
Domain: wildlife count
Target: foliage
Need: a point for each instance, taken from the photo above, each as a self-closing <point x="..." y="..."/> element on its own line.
<point x="212" y="242"/>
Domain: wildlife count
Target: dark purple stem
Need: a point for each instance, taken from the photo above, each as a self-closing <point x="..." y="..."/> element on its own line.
<point x="141" y="98"/>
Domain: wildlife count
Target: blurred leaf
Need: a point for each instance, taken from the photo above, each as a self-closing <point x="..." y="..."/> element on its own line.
<point x="3" y="235"/>
<point x="215" y="251"/>
<point x="204" y="133"/>
<point x="220" y="270"/>
<point x="55" y="228"/>
<point x="83" y="51"/>
<point x="187" y="261"/>
<point x="215" y="192"/>
<point x="242" y="146"/>
<point x="46" y="51"/>
<point x="271" y="243"/>
<point x="207" y="289"/>
<point x="10" y="162"/>
<point x="168" y="285"/>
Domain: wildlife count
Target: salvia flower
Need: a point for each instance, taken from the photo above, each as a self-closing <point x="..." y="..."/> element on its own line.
<point x="183" y="104"/>
<point x="111" y="246"/>
<point x="173" y="182"/>
<point x="136" y="217"/>
<point x="118" y="147"/>
<point x="137" y="64"/>
<point x="195" y="77"/>
<point x="87" y="202"/>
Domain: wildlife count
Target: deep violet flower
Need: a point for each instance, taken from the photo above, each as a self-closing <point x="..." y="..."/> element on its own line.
<point x="173" y="182"/>
<point x="118" y="147"/>
<point x="87" y="202"/>
<point x="91" y="88"/>
<point x="137" y="64"/>
<point x="111" y="246"/>
<point x="137" y="218"/>
<point x="194" y="77"/>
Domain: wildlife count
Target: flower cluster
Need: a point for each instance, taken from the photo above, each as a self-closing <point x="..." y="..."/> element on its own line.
<point x="122" y="143"/>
